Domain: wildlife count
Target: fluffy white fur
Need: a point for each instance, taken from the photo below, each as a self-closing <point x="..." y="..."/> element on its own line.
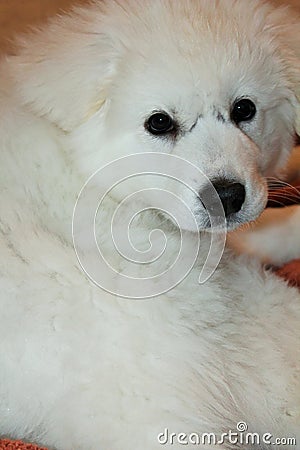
<point x="81" y="369"/>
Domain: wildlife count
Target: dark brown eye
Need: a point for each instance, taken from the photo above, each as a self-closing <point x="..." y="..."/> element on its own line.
<point x="160" y="123"/>
<point x="243" y="110"/>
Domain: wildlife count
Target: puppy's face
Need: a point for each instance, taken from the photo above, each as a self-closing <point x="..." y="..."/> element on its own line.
<point x="205" y="80"/>
<point x="223" y="106"/>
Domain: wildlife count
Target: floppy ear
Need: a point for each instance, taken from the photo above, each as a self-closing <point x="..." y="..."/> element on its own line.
<point x="63" y="71"/>
<point x="297" y="80"/>
<point x="298" y="120"/>
<point x="287" y="29"/>
<point x="298" y="112"/>
<point x="294" y="44"/>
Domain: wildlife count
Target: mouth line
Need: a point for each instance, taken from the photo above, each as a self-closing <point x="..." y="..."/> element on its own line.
<point x="221" y="224"/>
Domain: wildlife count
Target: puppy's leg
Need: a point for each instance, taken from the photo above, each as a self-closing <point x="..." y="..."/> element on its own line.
<point x="274" y="237"/>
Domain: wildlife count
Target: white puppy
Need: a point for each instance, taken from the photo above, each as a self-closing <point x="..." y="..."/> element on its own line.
<point x="212" y="82"/>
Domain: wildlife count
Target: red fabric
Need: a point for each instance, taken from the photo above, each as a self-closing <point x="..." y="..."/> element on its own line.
<point x="7" y="444"/>
<point x="290" y="272"/>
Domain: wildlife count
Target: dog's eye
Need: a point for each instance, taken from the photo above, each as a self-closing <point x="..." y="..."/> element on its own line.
<point x="160" y="123"/>
<point x="243" y="110"/>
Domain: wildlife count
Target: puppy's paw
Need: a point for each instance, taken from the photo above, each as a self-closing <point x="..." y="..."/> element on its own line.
<point x="274" y="238"/>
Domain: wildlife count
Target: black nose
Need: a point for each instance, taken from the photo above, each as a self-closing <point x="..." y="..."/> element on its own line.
<point x="232" y="195"/>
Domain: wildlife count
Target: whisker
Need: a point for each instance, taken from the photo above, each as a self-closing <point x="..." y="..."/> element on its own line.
<point x="272" y="203"/>
<point x="282" y="193"/>
<point x="287" y="193"/>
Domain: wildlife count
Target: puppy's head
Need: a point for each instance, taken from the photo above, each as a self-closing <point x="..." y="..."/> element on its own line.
<point x="213" y="82"/>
